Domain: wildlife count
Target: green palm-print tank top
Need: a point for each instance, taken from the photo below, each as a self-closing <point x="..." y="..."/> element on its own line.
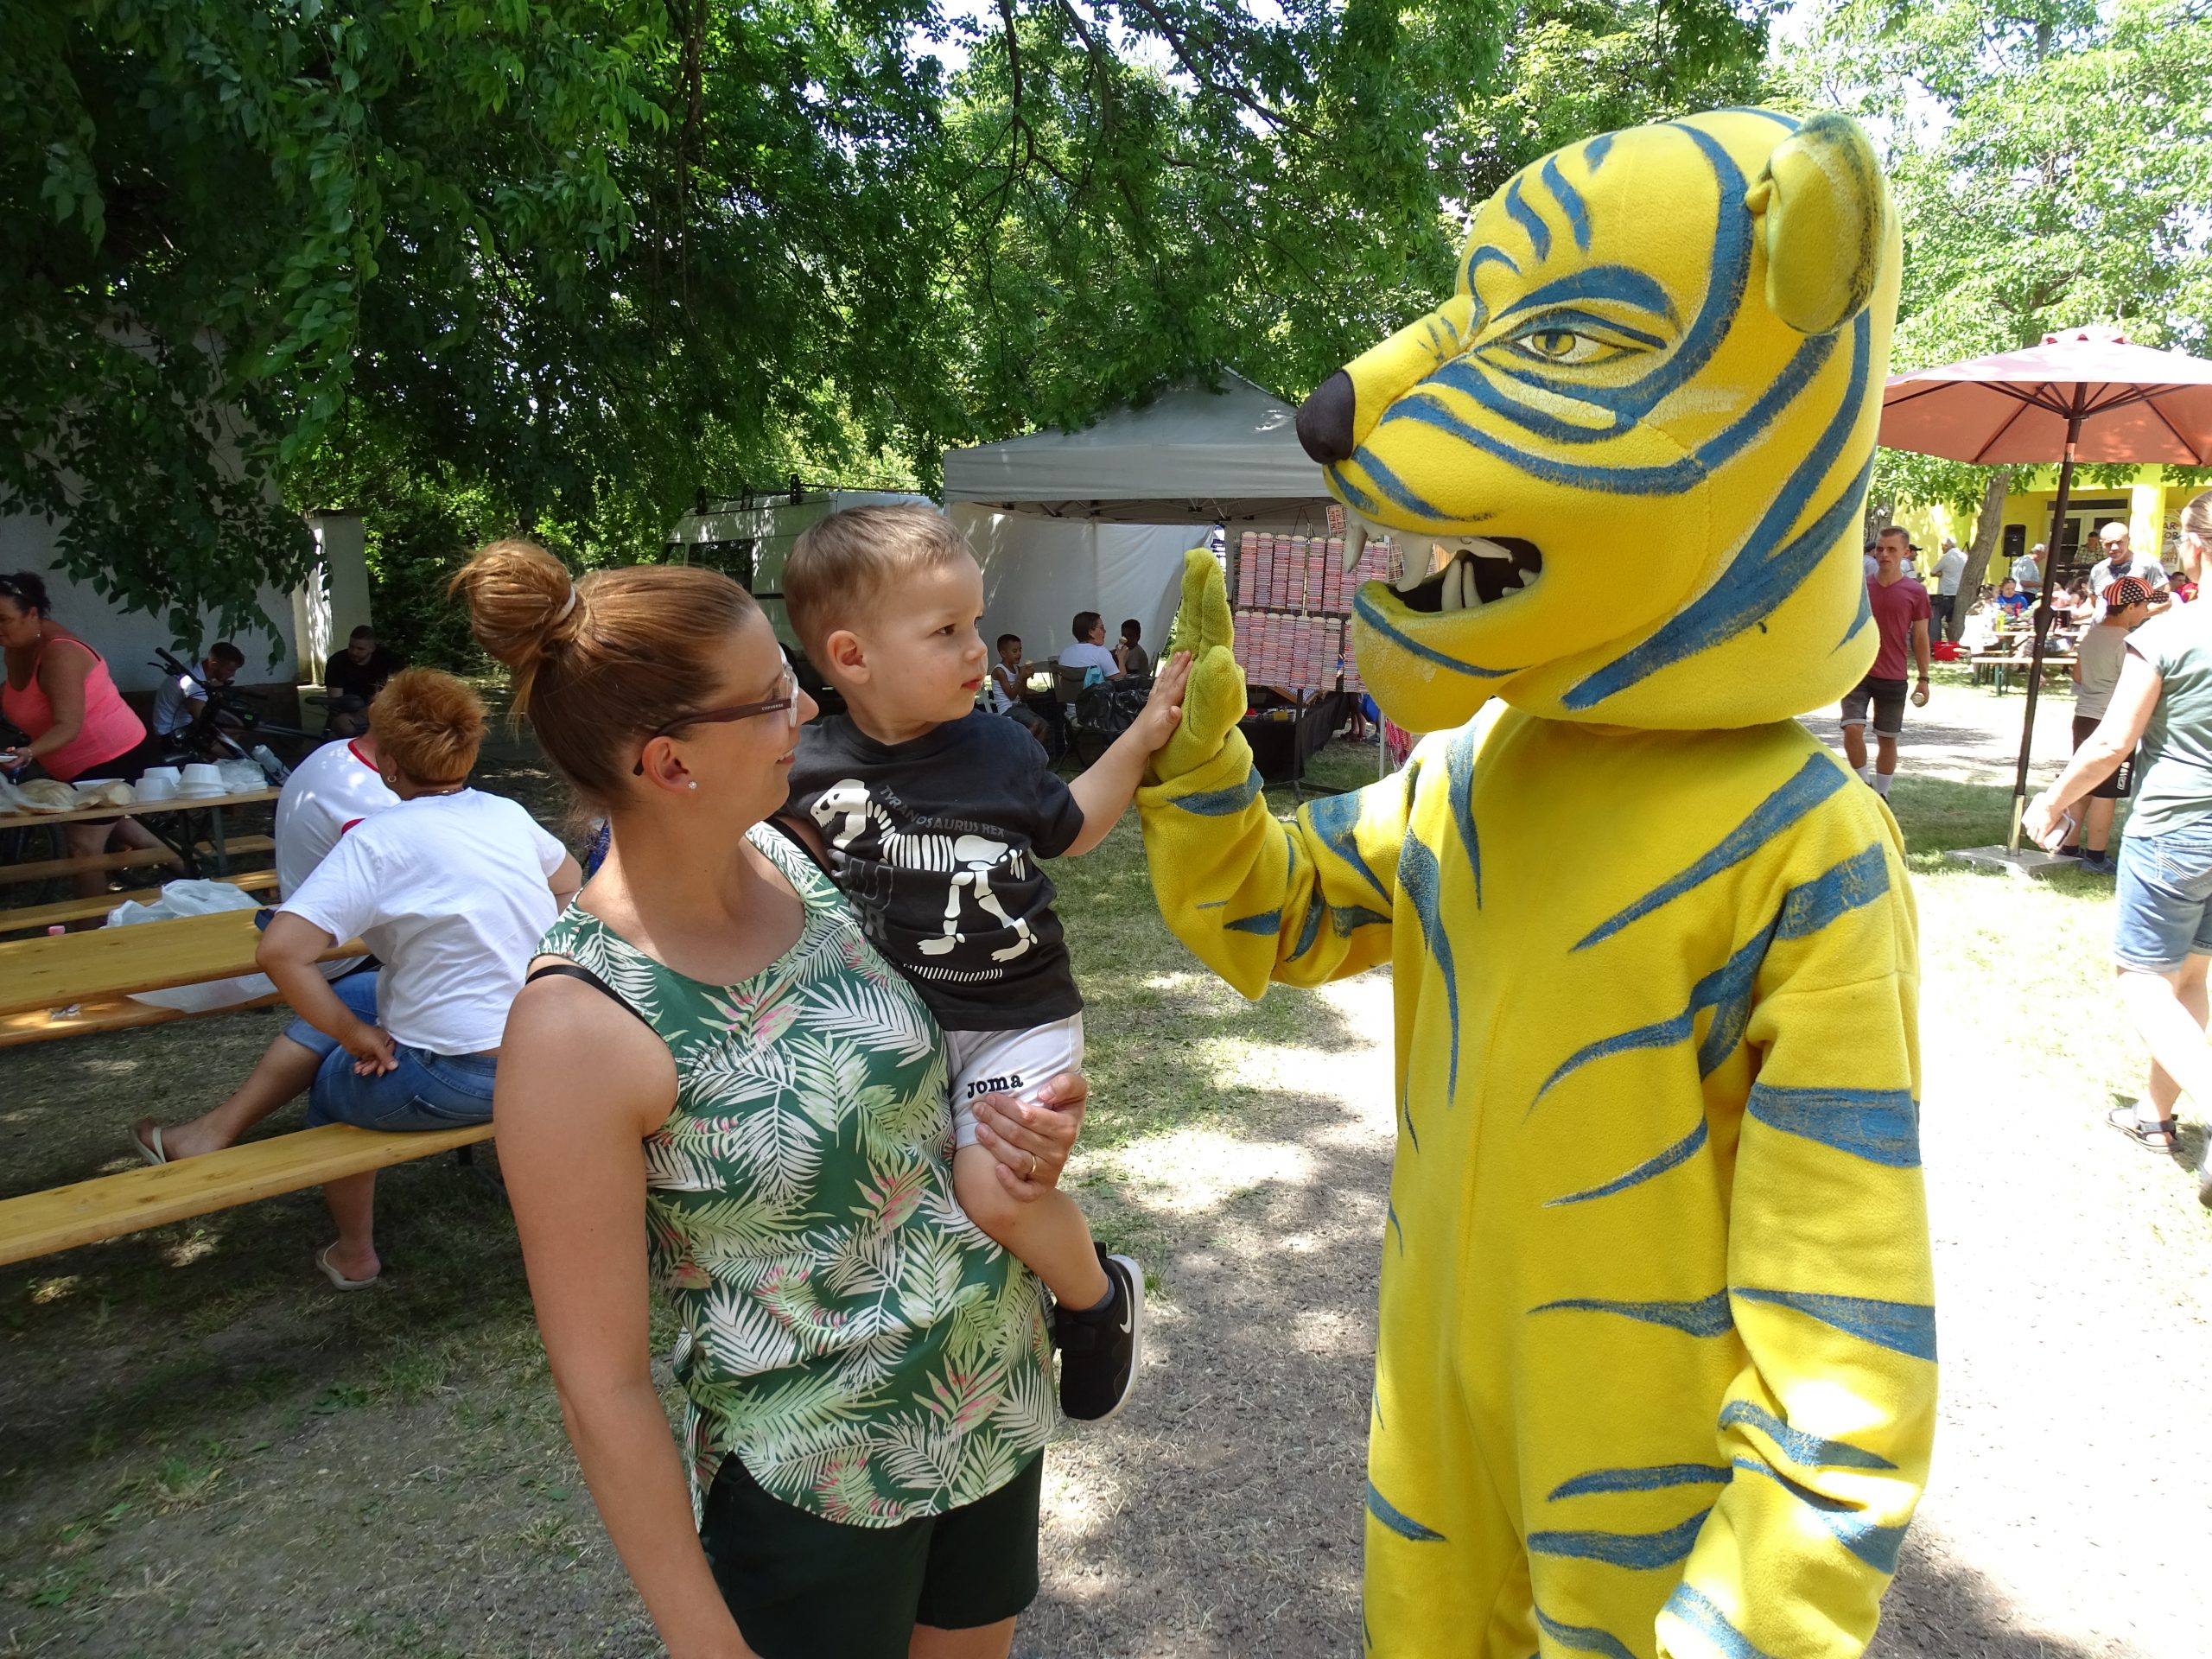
<point x="866" y="1351"/>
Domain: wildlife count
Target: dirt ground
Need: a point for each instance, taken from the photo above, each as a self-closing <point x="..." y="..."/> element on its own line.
<point x="207" y="1452"/>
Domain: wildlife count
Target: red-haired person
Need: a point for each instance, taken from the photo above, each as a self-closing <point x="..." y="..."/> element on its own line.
<point x="450" y="890"/>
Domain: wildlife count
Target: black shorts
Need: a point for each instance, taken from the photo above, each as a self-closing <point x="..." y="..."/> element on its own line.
<point x="802" y="1588"/>
<point x="2122" y="781"/>
<point x="1888" y="699"/>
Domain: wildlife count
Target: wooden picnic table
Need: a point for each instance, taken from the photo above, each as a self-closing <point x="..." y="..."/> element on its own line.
<point x="182" y="841"/>
<point x="137" y="809"/>
<point x="113" y="962"/>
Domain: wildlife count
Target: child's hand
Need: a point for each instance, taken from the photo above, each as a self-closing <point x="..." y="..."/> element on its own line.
<point x="1163" y="709"/>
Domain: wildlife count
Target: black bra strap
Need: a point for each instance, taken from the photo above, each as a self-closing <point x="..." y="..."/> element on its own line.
<point x="572" y="970"/>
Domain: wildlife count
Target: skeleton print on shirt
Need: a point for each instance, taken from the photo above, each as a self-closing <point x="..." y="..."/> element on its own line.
<point x="936" y="843"/>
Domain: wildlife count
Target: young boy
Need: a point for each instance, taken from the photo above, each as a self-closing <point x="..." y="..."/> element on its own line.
<point x="933" y="817"/>
<point x="1006" y="677"/>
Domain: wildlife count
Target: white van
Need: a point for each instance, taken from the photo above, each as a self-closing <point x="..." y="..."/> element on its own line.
<point x="749" y="538"/>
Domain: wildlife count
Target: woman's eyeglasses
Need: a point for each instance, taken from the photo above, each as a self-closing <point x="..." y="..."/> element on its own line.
<point x="787" y="704"/>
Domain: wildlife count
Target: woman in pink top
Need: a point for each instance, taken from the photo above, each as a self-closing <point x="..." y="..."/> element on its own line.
<point x="58" y="695"/>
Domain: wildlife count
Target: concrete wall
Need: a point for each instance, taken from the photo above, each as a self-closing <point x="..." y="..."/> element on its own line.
<point x="128" y="640"/>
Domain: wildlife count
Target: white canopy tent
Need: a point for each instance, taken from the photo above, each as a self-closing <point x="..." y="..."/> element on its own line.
<point x="1190" y="456"/>
<point x="1099" y="519"/>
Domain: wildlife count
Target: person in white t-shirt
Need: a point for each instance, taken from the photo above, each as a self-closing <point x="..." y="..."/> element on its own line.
<point x="1089" y="649"/>
<point x="178" y="700"/>
<point x="451" y="889"/>
<point x="332" y="790"/>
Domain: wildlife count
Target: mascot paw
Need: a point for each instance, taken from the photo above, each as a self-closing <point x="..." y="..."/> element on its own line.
<point x="1214" y="701"/>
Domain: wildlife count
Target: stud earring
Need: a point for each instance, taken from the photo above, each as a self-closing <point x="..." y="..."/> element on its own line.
<point x="694" y="784"/>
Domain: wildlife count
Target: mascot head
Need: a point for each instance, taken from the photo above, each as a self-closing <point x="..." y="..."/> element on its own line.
<point x="1638" y="436"/>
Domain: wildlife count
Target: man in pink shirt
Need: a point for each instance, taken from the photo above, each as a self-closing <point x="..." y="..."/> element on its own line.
<point x="1901" y="612"/>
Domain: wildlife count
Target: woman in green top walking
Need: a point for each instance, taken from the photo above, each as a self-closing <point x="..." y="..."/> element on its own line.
<point x="712" y="1083"/>
<point x="2162" y="932"/>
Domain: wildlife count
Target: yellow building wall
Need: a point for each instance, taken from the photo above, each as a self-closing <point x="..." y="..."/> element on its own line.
<point x="2153" y="512"/>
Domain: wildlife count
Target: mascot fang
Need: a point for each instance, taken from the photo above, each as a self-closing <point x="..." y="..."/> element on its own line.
<point x="1656" y="1364"/>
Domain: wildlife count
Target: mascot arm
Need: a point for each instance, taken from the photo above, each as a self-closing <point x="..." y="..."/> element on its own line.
<point x="1828" y="1428"/>
<point x="1258" y="900"/>
<point x="1254" y="898"/>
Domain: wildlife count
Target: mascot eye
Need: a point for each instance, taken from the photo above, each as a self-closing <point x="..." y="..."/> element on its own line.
<point x="1554" y="344"/>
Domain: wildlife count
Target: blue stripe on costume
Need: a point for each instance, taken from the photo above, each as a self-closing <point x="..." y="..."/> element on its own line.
<point x="1312" y="928"/>
<point x="1880" y="1125"/>
<point x="1852" y="884"/>
<point x="1813" y="783"/>
<point x="1582" y="1638"/>
<point x="1902" y="1328"/>
<point x="1726" y="990"/>
<point x="1396" y="488"/>
<point x="1267" y="922"/>
<point x="1682" y="1150"/>
<point x="1695" y="1609"/>
<point x="1871" y="1541"/>
<point x="1347" y="919"/>
<point x="1651" y="1478"/>
<point x="1398" y="1520"/>
<point x="1768" y="568"/>
<point x="1570" y="202"/>
<point x="1708" y="1317"/>
<point x="1222" y="802"/>
<point x="1539" y="234"/>
<point x="1807" y="1450"/>
<point x="1594" y="152"/>
<point x="1374" y="618"/>
<point x="1422" y="882"/>
<point x="1335" y="819"/>
<point x="1460" y="768"/>
<point x="1643" y="1551"/>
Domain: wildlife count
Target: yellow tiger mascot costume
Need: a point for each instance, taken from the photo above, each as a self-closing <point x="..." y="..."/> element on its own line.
<point x="1656" y="1370"/>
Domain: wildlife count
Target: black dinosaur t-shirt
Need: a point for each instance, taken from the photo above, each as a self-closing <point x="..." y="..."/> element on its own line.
<point x="937" y="845"/>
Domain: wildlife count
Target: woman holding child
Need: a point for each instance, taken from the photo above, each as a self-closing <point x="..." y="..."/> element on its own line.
<point x="712" y="1082"/>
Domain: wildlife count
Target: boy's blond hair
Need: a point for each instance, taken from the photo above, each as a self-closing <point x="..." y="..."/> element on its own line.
<point x="841" y="566"/>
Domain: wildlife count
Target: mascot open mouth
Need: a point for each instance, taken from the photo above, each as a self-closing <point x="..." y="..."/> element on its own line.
<point x="1482" y="570"/>
<point x="1479" y="569"/>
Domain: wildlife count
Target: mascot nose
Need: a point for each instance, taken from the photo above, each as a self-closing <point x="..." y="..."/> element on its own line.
<point x="1325" y="420"/>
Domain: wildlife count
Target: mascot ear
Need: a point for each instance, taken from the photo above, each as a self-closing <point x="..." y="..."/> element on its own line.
<point x="1826" y="214"/>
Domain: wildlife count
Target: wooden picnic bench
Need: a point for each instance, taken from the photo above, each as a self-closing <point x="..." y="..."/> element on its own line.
<point x="108" y="1206"/>
<point x="37" y="918"/>
<point x="99" y="969"/>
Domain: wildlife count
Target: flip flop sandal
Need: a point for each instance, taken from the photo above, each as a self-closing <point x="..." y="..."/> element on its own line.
<point x="146" y="1141"/>
<point x="338" y="1281"/>
<point x="2157" y="1137"/>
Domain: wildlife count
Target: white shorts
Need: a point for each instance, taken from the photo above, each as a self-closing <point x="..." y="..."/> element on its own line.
<point x="1007" y="1063"/>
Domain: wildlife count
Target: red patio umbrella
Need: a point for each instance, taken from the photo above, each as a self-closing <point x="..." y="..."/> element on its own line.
<point x="2087" y="394"/>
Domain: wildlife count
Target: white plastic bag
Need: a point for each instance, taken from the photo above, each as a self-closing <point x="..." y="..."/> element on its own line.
<point x="242" y="777"/>
<point x="195" y="899"/>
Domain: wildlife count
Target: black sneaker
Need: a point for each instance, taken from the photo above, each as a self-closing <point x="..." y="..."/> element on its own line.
<point x="1098" y="1351"/>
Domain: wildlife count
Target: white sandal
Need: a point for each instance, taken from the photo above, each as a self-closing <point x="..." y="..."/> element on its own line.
<point x="338" y="1281"/>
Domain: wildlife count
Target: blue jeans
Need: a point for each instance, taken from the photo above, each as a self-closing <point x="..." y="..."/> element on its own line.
<point x="424" y="1091"/>
<point x="2164" y="910"/>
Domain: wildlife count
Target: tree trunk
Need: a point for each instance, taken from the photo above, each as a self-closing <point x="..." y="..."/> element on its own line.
<point x="1988" y="534"/>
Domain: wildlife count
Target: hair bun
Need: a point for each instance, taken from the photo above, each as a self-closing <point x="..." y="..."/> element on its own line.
<point x="522" y="602"/>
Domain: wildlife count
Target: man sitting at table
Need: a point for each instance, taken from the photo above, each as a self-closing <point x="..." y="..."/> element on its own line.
<point x="182" y="697"/>
<point x="354" y="676"/>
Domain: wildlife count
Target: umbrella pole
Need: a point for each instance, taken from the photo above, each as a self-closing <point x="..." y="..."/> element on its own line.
<point x="2042" y="619"/>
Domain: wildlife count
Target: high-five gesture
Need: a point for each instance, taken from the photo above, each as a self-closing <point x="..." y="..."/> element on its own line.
<point x="1213" y="701"/>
